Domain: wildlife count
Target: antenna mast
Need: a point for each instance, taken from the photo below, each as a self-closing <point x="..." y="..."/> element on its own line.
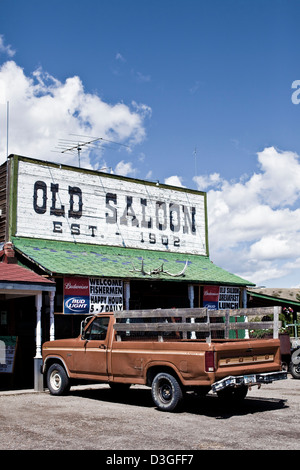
<point x="71" y="146"/>
<point x="195" y="155"/>
<point x="7" y="127"/>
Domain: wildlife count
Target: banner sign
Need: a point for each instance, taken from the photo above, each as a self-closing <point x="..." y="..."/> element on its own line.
<point x="70" y="204"/>
<point x="92" y="295"/>
<point x="211" y="297"/>
<point x="221" y="297"/>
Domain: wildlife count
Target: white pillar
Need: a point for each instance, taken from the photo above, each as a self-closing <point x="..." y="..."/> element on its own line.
<point x="277" y="311"/>
<point x="52" y="326"/>
<point x="38" y="376"/>
<point x="191" y="299"/>
<point x="245" y="306"/>
<point x="191" y="295"/>
<point x="38" y="333"/>
<point x="127" y="294"/>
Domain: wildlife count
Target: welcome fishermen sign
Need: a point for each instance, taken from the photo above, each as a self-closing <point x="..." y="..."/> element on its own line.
<point x="69" y="204"/>
<point x="84" y="295"/>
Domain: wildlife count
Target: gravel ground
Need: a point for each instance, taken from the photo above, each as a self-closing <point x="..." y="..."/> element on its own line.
<point x="94" y="418"/>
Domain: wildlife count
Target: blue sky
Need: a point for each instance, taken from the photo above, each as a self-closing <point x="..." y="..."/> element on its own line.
<point x="199" y="94"/>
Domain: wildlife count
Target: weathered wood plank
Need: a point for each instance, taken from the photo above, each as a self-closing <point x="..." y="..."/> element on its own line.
<point x="162" y="327"/>
<point x="165" y="313"/>
<point x="169" y="327"/>
<point x="139" y="321"/>
<point x="193" y="313"/>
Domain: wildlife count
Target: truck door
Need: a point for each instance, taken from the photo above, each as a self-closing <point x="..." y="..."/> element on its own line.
<point x="91" y="357"/>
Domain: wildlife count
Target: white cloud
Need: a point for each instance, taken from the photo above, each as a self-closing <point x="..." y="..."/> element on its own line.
<point x="174" y="181"/>
<point x="142" y="78"/>
<point x="254" y="223"/>
<point x="120" y="57"/>
<point x="206" y="181"/>
<point x="6" y="49"/>
<point x="125" y="169"/>
<point x="43" y="110"/>
<point x="280" y="185"/>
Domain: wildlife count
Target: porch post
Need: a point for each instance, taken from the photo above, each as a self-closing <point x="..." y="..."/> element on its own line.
<point x="191" y="299"/>
<point x="52" y="326"/>
<point x="127" y="294"/>
<point x="38" y="376"/>
<point x="245" y="306"/>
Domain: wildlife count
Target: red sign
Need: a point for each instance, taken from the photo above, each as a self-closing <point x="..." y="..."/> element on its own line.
<point x="76" y="286"/>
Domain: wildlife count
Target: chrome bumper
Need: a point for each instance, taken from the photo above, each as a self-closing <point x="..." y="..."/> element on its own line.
<point x="249" y="380"/>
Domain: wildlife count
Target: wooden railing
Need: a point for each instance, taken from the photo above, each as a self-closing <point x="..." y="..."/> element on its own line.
<point x="194" y="320"/>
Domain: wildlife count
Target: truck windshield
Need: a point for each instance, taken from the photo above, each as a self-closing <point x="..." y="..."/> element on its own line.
<point x="97" y="329"/>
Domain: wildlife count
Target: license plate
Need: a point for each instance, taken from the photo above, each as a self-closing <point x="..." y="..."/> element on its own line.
<point x="249" y="379"/>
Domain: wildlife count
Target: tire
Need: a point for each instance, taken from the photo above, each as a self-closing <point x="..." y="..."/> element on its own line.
<point x="295" y="370"/>
<point x="233" y="395"/>
<point x="166" y="392"/>
<point x="58" y="382"/>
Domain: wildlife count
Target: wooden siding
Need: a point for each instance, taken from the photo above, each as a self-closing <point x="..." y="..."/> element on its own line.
<point x="3" y="201"/>
<point x="65" y="204"/>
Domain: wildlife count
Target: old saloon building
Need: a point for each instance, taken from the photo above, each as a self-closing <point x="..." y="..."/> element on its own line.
<point x="96" y="242"/>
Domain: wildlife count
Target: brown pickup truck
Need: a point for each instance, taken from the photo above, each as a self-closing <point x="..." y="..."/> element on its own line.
<point x="175" y="351"/>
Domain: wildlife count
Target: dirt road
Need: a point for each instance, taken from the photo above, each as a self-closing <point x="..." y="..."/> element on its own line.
<point x="92" y="417"/>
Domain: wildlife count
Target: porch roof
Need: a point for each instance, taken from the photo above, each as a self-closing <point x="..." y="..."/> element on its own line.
<point x="66" y="258"/>
<point x="15" y="279"/>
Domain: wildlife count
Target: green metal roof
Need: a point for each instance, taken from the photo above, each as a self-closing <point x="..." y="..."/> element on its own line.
<point x="66" y="258"/>
<point x="274" y="299"/>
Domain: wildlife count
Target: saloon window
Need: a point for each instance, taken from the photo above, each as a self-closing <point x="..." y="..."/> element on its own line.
<point x="98" y="329"/>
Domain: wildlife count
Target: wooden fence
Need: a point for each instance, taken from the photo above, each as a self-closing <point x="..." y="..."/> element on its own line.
<point x="195" y="320"/>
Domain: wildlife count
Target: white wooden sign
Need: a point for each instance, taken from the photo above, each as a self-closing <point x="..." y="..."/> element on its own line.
<point x="66" y="204"/>
<point x="85" y="295"/>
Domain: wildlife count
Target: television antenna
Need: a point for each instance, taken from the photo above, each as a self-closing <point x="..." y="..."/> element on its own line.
<point x="72" y="145"/>
<point x="195" y="157"/>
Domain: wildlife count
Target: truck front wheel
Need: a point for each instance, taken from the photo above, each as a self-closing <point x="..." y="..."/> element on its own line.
<point x="166" y="392"/>
<point x="58" y="382"/>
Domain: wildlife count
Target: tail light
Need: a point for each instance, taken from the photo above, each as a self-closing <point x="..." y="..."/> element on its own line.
<point x="209" y="361"/>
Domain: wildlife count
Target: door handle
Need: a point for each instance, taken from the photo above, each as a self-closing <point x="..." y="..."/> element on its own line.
<point x="102" y="346"/>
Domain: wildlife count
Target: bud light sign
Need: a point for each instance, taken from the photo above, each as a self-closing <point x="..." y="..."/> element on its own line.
<point x="76" y="295"/>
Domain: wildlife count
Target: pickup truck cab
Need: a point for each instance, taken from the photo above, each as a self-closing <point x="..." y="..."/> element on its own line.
<point x="106" y="351"/>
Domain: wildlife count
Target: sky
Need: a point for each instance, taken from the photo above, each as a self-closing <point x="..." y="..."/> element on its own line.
<point x="203" y="94"/>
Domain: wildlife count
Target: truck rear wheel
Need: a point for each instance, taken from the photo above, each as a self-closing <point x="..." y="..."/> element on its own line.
<point x="295" y="370"/>
<point x="166" y="392"/>
<point x="295" y="364"/>
<point x="58" y="382"/>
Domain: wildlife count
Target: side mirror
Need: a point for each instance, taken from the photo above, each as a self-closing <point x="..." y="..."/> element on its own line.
<point x="83" y="325"/>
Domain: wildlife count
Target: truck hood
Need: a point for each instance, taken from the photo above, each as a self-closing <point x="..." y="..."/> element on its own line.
<point x="60" y="343"/>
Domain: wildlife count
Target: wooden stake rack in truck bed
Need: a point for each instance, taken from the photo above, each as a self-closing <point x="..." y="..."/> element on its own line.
<point x="170" y="350"/>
